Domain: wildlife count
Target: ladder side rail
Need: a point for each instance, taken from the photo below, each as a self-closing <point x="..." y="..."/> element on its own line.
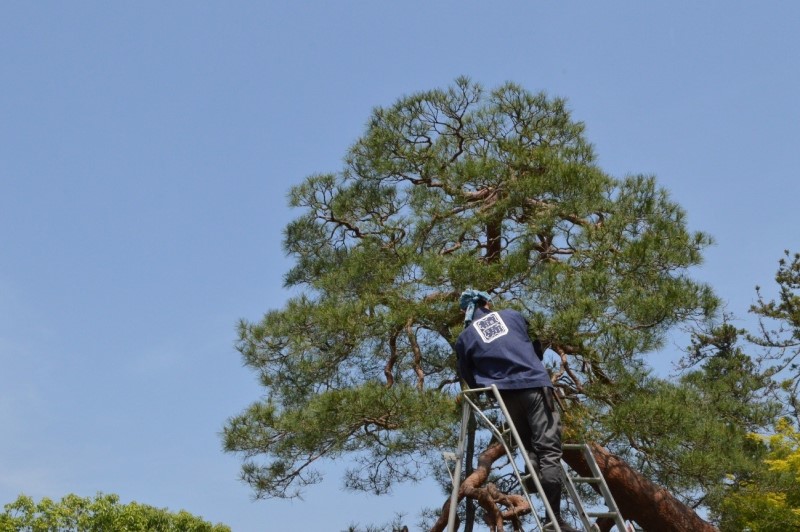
<point x="533" y="472"/>
<point x="605" y="491"/>
<point x="451" y="517"/>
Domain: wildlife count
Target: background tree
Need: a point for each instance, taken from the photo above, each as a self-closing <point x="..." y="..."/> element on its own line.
<point x="456" y="188"/>
<point x="779" y="331"/>
<point x="99" y="514"/>
<point x="732" y="398"/>
<point x="766" y="496"/>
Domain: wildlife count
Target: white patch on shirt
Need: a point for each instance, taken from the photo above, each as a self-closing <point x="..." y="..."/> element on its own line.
<point x="490" y="327"/>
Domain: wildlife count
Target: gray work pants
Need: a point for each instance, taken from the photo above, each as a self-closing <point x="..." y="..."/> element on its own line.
<point x="539" y="426"/>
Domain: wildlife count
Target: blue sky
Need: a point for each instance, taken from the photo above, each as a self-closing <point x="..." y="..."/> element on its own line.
<point x="146" y="149"/>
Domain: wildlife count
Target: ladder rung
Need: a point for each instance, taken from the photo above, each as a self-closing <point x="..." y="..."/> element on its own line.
<point x="525" y="478"/>
<point x="588" y="480"/>
<point x="572" y="446"/>
<point x="602" y="514"/>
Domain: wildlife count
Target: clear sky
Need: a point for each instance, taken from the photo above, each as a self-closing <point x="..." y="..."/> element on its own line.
<point x="146" y="149"/>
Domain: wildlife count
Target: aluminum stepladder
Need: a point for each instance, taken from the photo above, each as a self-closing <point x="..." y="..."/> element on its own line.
<point x="469" y="405"/>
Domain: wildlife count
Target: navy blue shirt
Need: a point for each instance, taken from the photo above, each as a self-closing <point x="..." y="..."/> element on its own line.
<point x="495" y="349"/>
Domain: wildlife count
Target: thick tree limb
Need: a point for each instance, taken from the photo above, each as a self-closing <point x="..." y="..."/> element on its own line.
<point x="652" y="507"/>
<point x="471" y="487"/>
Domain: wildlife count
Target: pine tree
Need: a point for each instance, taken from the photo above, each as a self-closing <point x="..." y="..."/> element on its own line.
<point x="467" y="188"/>
<point x="779" y="331"/>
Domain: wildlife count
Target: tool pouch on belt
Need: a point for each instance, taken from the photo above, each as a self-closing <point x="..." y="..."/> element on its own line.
<point x="547" y="393"/>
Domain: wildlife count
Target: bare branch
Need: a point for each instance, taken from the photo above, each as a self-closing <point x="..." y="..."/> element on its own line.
<point x="412" y="338"/>
<point x="388" y="369"/>
<point x="562" y="353"/>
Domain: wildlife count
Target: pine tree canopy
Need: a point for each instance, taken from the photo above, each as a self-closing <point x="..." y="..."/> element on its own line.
<point x="451" y="189"/>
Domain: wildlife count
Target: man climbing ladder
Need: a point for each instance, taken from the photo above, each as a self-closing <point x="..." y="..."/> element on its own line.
<point x="495" y="349"/>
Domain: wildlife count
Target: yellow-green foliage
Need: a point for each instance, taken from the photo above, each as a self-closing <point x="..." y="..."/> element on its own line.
<point x="785" y="451"/>
<point x="769" y="502"/>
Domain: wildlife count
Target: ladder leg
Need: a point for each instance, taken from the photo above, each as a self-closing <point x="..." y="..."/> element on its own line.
<point x="576" y="500"/>
<point x="451" y="518"/>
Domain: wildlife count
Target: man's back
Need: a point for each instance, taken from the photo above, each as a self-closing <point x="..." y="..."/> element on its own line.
<point x="495" y="349"/>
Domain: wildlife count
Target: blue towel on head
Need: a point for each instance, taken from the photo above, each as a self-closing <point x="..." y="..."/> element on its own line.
<point x="470" y="298"/>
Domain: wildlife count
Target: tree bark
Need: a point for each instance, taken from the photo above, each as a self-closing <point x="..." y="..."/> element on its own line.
<point x="646" y="503"/>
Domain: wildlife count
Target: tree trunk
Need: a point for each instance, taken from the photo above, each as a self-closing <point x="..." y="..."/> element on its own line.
<point x="649" y="505"/>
